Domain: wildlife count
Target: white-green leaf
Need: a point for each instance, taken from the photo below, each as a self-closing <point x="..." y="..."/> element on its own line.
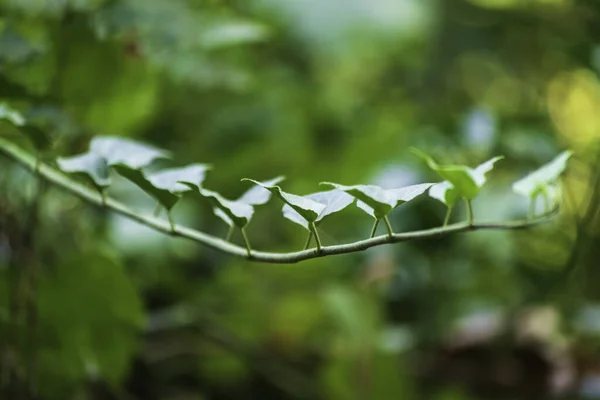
<point x="378" y="202"/>
<point x="164" y="196"/>
<point x="91" y="165"/>
<point x="334" y="200"/>
<point x="258" y="195"/>
<point x="126" y="152"/>
<point x="446" y="193"/>
<point x="34" y="133"/>
<point x="232" y="33"/>
<point x="9" y="114"/>
<point x="467" y="181"/>
<point x="170" y="179"/>
<point x="307" y="208"/>
<point x="236" y="212"/>
<point x="537" y="181"/>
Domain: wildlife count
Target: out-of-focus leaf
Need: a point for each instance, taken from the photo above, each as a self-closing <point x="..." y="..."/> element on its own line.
<point x="35" y="134"/>
<point x="334" y="201"/>
<point x="233" y="33"/>
<point x="466" y="180"/>
<point x="170" y="179"/>
<point x="307" y="208"/>
<point x="378" y="202"/>
<point x="258" y="195"/>
<point x="539" y="180"/>
<point x="11" y="115"/>
<point x="125" y="152"/>
<point x="232" y="212"/>
<point x="90" y="165"/>
<point x="446" y="193"/>
<point x="164" y="196"/>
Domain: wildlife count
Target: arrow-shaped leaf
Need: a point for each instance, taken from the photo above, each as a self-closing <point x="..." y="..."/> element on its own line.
<point x="334" y="201"/>
<point x="164" y="196"/>
<point x="466" y="180"/>
<point x="378" y="202"/>
<point x="446" y="193"/>
<point x="307" y="208"/>
<point x="538" y="181"/>
<point x="33" y="132"/>
<point x="91" y="165"/>
<point x="258" y="195"/>
<point x="232" y="212"/>
<point x="170" y="179"/>
<point x="125" y="152"/>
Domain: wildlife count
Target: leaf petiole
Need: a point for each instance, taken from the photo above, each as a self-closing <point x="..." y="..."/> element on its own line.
<point x="374" y="230"/>
<point x="307" y="245"/>
<point x="388" y="226"/>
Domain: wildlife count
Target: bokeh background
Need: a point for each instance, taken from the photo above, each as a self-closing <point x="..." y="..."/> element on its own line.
<point x="94" y="306"/>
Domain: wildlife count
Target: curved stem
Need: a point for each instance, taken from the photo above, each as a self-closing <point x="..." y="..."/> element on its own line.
<point x="469" y="211"/>
<point x="448" y="214"/>
<point x="313" y="229"/>
<point x="388" y="226"/>
<point x="92" y="196"/>
<point x="246" y="242"/>
<point x="103" y="195"/>
<point x="310" y="235"/>
<point x="374" y="230"/>
<point x="229" y="233"/>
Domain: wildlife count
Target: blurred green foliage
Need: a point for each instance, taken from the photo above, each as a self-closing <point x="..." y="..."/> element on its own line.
<point x="96" y="307"/>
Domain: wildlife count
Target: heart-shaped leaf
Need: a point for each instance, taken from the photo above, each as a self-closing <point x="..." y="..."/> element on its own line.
<point x="378" y="202"/>
<point x="33" y="132"/>
<point x="334" y="200"/>
<point x="170" y="179"/>
<point x="538" y="181"/>
<point x="258" y="195"/>
<point x="232" y="212"/>
<point x="465" y="180"/>
<point x="164" y="196"/>
<point x="446" y="193"/>
<point x="90" y="165"/>
<point x="125" y="152"/>
<point x="307" y="208"/>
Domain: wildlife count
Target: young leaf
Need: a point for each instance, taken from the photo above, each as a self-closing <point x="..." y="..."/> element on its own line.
<point x="232" y="212"/>
<point x="466" y="181"/>
<point x="538" y="181"/>
<point x="446" y="193"/>
<point x="258" y="195"/>
<point x="378" y="202"/>
<point x="125" y="152"/>
<point x="334" y="201"/>
<point x="170" y="179"/>
<point x="164" y="196"/>
<point x="376" y="198"/>
<point x="307" y="208"/>
<point x="34" y="133"/>
<point x="90" y="165"/>
<point x="11" y="115"/>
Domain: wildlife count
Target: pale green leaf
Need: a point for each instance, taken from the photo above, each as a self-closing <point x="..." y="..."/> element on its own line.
<point x="125" y="152"/>
<point x="233" y="33"/>
<point x="170" y="179"/>
<point x="258" y="195"/>
<point x="236" y="212"/>
<point x="334" y="201"/>
<point x="537" y="181"/>
<point x="466" y="181"/>
<point x="164" y="196"/>
<point x="378" y="202"/>
<point x="446" y="193"/>
<point x="307" y="208"/>
<point x="34" y="133"/>
<point x="11" y="115"/>
<point x="90" y="165"/>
